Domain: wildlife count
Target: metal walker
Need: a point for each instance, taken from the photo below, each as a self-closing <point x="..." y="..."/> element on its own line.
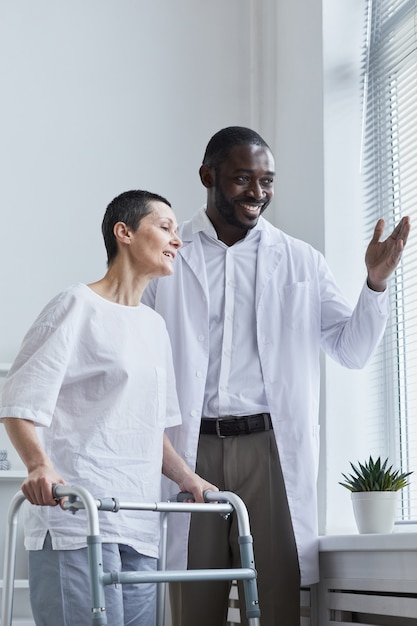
<point x="223" y="503"/>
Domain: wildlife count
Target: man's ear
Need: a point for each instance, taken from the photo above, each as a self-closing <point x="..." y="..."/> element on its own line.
<point x="121" y="232"/>
<point x="207" y="176"/>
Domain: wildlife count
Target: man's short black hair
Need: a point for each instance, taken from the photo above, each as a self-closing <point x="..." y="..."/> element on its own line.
<point x="224" y="140"/>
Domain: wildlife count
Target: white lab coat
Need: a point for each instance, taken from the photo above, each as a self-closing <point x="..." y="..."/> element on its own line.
<point x="299" y="310"/>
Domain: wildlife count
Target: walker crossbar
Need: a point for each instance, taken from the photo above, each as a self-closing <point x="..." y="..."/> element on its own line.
<point x="170" y="576"/>
<point x="79" y="498"/>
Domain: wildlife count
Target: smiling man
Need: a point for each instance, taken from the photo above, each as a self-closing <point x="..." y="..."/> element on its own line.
<point x="248" y="310"/>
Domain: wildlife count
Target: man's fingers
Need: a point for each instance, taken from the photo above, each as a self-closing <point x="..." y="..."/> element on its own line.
<point x="402" y="229"/>
<point x="378" y="230"/>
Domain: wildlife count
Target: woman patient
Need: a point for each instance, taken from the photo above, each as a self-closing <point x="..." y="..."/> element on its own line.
<point x="95" y="373"/>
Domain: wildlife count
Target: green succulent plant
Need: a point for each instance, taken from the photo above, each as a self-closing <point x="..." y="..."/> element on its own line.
<point x="374" y="476"/>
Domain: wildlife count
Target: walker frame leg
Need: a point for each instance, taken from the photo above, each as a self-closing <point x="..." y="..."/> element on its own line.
<point x="10" y="559"/>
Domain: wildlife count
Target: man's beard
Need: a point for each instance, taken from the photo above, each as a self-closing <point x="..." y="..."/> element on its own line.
<point x="228" y="212"/>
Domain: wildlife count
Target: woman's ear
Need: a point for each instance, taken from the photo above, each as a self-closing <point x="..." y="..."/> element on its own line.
<point x="122" y="232"/>
<point x="207" y="176"/>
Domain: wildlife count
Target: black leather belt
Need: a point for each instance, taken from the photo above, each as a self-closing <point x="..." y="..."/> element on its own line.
<point x="231" y="426"/>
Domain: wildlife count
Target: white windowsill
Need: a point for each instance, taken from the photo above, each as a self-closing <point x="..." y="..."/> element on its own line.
<point x="398" y="540"/>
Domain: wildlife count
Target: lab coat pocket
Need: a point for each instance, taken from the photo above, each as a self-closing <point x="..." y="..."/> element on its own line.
<point x="298" y="308"/>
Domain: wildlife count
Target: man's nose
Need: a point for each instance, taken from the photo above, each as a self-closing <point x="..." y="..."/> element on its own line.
<point x="256" y="190"/>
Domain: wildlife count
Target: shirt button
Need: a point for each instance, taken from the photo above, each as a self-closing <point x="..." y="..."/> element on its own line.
<point x="200" y="337"/>
<point x="193" y="413"/>
<point x="199" y="374"/>
<point x="188" y="454"/>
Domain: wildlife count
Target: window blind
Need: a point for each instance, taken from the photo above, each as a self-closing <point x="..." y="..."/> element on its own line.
<point x="390" y="186"/>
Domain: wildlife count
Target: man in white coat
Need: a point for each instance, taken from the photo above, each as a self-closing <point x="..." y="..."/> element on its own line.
<point x="248" y="310"/>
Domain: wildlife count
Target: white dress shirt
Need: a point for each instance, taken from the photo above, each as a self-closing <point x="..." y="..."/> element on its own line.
<point x="234" y="384"/>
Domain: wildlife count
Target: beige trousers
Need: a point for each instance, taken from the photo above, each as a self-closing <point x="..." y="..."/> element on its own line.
<point x="249" y="466"/>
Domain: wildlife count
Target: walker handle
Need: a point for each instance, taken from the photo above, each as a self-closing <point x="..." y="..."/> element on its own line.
<point x="55" y="489"/>
<point x="185" y="495"/>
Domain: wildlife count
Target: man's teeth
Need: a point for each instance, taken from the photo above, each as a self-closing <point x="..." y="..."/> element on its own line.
<point x="250" y="207"/>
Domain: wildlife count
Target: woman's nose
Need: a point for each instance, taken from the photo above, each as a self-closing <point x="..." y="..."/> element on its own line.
<point x="177" y="241"/>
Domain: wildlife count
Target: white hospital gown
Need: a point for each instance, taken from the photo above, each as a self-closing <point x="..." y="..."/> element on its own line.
<point x="98" y="377"/>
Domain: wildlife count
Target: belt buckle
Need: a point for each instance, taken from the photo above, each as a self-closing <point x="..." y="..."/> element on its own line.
<point x="218" y="433"/>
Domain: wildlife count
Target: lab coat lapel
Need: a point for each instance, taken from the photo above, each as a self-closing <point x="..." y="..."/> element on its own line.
<point x="270" y="253"/>
<point x="192" y="253"/>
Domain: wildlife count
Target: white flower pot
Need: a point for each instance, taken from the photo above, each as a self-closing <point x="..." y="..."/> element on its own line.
<point x="374" y="510"/>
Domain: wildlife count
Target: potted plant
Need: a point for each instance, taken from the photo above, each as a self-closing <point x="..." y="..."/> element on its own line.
<point x="374" y="489"/>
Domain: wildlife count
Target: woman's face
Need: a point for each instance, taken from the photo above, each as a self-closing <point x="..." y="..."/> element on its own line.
<point x="155" y="243"/>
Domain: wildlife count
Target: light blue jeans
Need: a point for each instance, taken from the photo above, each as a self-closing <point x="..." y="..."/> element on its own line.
<point x="60" y="587"/>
